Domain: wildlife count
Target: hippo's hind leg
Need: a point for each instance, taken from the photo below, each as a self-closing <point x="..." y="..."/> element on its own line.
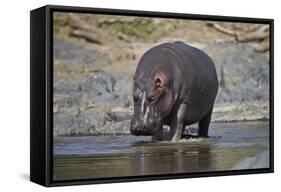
<point x="204" y="124"/>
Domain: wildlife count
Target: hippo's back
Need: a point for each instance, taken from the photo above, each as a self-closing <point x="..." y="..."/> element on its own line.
<point x="186" y="67"/>
<point x="200" y="82"/>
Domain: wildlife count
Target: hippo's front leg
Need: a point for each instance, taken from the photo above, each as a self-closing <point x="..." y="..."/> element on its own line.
<point x="177" y="126"/>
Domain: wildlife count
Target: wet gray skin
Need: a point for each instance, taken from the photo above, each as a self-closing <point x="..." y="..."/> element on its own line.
<point x="127" y="155"/>
<point x="146" y="119"/>
<point x="175" y="84"/>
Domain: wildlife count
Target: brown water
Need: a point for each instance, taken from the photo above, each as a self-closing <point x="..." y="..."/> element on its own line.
<point x="231" y="146"/>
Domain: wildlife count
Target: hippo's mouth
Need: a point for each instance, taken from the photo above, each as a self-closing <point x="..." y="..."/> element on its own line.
<point x="145" y="128"/>
<point x="139" y="132"/>
<point x="144" y="131"/>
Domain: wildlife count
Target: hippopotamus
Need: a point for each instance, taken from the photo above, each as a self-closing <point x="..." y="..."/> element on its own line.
<point x="174" y="85"/>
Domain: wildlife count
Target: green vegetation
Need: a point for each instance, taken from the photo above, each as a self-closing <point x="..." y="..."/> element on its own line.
<point x="61" y="30"/>
<point x="142" y="29"/>
<point x="139" y="28"/>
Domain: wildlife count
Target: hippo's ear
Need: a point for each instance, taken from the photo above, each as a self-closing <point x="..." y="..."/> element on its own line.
<point x="160" y="79"/>
<point x="158" y="83"/>
<point x="166" y="102"/>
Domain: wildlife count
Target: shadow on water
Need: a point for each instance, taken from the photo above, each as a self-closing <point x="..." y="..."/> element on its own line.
<point x="112" y="156"/>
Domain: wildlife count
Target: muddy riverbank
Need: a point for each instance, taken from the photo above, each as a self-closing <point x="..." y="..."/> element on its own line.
<point x="93" y="92"/>
<point x="93" y="79"/>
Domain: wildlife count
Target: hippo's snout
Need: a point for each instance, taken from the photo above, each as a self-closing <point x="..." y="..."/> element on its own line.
<point x="138" y="128"/>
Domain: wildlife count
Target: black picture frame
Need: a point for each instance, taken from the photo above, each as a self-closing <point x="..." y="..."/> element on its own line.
<point x="41" y="99"/>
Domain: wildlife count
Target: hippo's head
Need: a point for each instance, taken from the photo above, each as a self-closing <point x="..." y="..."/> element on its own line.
<point x="153" y="100"/>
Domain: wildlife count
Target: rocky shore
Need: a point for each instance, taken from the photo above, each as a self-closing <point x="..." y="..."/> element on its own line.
<point x="90" y="100"/>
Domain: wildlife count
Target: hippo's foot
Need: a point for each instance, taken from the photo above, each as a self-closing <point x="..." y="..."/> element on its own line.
<point x="176" y="138"/>
<point x="162" y="135"/>
<point x="190" y="136"/>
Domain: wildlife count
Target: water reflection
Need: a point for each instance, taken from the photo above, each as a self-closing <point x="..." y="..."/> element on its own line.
<point x="115" y="156"/>
<point x="171" y="159"/>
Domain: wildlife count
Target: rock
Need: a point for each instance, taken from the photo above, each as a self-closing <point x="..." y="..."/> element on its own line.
<point x="71" y="52"/>
<point x="62" y="86"/>
<point x="115" y="128"/>
<point x="90" y="122"/>
<point x="68" y="124"/>
<point x="122" y="113"/>
<point x="100" y="84"/>
<point x="82" y="109"/>
<point x="96" y="102"/>
<point x="122" y="127"/>
<point x="123" y="91"/>
<point x="93" y="120"/>
<point x="65" y="103"/>
<point x="245" y="111"/>
<point x="98" y="88"/>
<point x="243" y="74"/>
<point x="105" y="89"/>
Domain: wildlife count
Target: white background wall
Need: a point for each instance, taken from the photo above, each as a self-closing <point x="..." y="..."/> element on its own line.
<point x="14" y="95"/>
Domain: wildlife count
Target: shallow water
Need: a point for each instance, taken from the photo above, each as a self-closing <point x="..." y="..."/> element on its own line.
<point x="126" y="155"/>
